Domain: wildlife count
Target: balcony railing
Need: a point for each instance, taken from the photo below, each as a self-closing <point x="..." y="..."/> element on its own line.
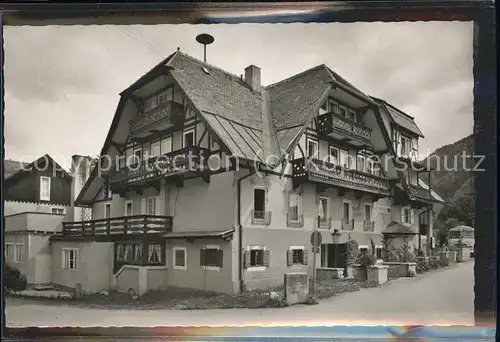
<point x="261" y="217"/>
<point x="137" y="225"/>
<point x="168" y="113"/>
<point x="335" y="123"/>
<point x="368" y="226"/>
<point x="324" y="172"/>
<point x="190" y="159"/>
<point x="295" y="220"/>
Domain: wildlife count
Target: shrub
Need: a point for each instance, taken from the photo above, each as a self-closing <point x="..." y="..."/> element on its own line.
<point x="13" y="279"/>
<point x="366" y="260"/>
<point x="444" y="261"/>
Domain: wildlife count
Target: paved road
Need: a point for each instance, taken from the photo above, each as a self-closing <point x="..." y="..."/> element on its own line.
<point x="443" y="296"/>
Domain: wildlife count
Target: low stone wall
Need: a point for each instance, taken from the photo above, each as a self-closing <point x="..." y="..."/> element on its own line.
<point x="405" y="269"/>
<point x="360" y="273"/>
<point x="377" y="274"/>
<point x="325" y="274"/>
<point x="296" y="287"/>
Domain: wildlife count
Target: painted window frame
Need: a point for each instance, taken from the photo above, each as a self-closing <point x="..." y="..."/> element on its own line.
<point x="127" y="202"/>
<point x="381" y="249"/>
<point x="345" y="162"/>
<point x="364" y="211"/>
<point x="49" y="185"/>
<point x="17" y="249"/>
<point x="405" y="210"/>
<point x="174" y="258"/>
<point x="328" y="213"/>
<point x="266" y="194"/>
<point x="66" y="261"/>
<point x="187" y="132"/>
<point x="299" y="206"/>
<point x="146" y="205"/>
<point x="363" y="247"/>
<point x="349" y="202"/>
<point x="107" y="204"/>
<point x="295" y="248"/>
<point x="314" y="142"/>
<point x="209" y="247"/>
<point x="330" y="148"/>
<point x="256" y="268"/>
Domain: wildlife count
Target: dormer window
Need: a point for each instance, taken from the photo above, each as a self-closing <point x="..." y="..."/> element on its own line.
<point x="44" y="188"/>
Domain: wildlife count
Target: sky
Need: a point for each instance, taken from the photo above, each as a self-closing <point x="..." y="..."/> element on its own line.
<point x="62" y="83"/>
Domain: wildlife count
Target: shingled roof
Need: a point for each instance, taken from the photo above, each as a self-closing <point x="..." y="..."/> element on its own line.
<point x="402" y="119"/>
<point x="11" y="167"/>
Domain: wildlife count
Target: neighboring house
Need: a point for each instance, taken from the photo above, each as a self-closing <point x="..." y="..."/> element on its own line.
<point x="38" y="198"/>
<point x="209" y="184"/>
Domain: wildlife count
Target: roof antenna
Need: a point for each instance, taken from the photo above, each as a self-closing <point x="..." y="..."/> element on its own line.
<point x="205" y="39"/>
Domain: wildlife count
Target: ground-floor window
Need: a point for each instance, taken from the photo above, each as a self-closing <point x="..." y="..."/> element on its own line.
<point x="211" y="256"/>
<point x="256" y="257"/>
<point x="333" y="255"/>
<point x="296" y="255"/>
<point x="180" y="258"/>
<point x="70" y="258"/>
<point x="139" y="253"/>
<point x="14" y="252"/>
<point x="378" y="252"/>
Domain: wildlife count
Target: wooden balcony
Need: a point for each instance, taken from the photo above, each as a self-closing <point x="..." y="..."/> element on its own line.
<point x="318" y="171"/>
<point x="190" y="162"/>
<point x="167" y="115"/>
<point x="336" y="126"/>
<point x="119" y="226"/>
<point x="421" y="193"/>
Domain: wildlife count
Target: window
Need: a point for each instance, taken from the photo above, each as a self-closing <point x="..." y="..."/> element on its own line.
<point x="368" y="212"/>
<point x="323" y="109"/>
<point x="180" y="262"/>
<point x="361" y="165"/>
<point x="14" y="252"/>
<point x="137" y="156"/>
<point x="345" y="160"/>
<point x="256" y="258"/>
<point x="334" y="155"/>
<point x="378" y="252"/>
<point x="155" y="149"/>
<point x="188" y="138"/>
<point x="343" y="111"/>
<point x="296" y="255"/>
<point x="166" y="145"/>
<point x="44" y="188"/>
<point x="334" y="107"/>
<point x="405" y="146"/>
<point x="129" y="157"/>
<point x="58" y="211"/>
<point x="150" y="206"/>
<point x="154" y="254"/>
<point x="406" y="215"/>
<point x="70" y="258"/>
<point x="293" y="207"/>
<point x="211" y="257"/>
<point x="214" y="145"/>
<point x="363" y="249"/>
<point x="351" y="115"/>
<point x="324" y="209"/>
<point x="346" y="212"/>
<point x="129" y="208"/>
<point x="259" y="203"/>
<point x="107" y="210"/>
<point x="312" y="148"/>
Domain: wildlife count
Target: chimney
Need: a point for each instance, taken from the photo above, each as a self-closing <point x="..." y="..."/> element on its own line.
<point x="252" y="77"/>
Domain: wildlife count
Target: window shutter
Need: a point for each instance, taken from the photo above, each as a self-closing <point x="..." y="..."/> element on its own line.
<point x="202" y="257"/>
<point x="289" y="257"/>
<point x="220" y="258"/>
<point x="402" y="214"/>
<point x="246" y="257"/>
<point x="305" y="260"/>
<point x="143" y="206"/>
<point x="266" y="259"/>
<point x="412" y="216"/>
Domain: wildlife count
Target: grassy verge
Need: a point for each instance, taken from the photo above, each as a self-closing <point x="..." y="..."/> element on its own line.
<point x="187" y="299"/>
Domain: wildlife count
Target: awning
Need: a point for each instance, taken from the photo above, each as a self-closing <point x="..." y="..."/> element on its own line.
<point x="396" y="228"/>
<point x="222" y="234"/>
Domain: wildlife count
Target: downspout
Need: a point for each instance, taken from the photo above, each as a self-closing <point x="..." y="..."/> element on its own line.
<point x="240" y="229"/>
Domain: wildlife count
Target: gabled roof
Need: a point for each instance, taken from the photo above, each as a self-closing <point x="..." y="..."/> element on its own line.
<point x="400" y="118"/>
<point x="10" y="167"/>
<point x="24" y="167"/>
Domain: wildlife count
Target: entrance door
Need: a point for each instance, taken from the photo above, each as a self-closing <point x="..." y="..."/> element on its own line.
<point x="335" y="255"/>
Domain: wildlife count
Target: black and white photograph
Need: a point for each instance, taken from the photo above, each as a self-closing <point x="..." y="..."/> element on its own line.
<point x="251" y="174"/>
